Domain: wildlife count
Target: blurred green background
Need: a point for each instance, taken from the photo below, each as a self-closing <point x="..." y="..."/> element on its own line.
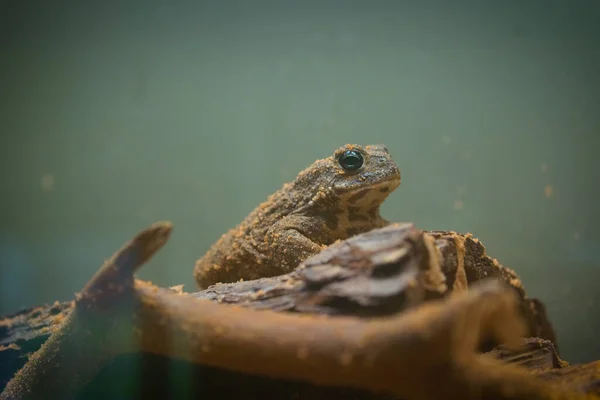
<point x="117" y="114"/>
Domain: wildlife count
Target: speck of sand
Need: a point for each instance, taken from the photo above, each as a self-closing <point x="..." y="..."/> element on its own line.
<point x="47" y="182"/>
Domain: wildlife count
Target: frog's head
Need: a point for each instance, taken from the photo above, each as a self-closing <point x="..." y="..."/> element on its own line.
<point x="361" y="177"/>
<point x="365" y="176"/>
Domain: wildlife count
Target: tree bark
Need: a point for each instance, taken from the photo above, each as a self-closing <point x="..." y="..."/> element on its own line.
<point x="416" y="295"/>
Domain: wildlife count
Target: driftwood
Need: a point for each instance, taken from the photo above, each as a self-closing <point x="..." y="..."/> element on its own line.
<point x="358" y="339"/>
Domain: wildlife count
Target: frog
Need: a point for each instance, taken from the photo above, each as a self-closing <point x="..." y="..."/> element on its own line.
<point x="333" y="199"/>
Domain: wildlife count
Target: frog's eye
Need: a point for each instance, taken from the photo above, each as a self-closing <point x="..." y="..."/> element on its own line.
<point x="351" y="160"/>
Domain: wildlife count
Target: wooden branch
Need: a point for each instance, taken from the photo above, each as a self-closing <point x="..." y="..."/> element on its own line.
<point x="398" y="354"/>
<point x="465" y="258"/>
<point x="74" y="352"/>
<point x="374" y="274"/>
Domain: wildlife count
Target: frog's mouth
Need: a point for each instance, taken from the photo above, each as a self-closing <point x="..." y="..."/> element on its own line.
<point x="370" y="195"/>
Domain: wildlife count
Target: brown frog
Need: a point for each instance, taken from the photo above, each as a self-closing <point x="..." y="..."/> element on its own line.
<point x="333" y="199"/>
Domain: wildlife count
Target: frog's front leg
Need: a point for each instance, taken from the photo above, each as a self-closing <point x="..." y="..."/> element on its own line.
<point x="293" y="240"/>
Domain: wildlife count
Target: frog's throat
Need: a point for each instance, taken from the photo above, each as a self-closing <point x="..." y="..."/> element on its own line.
<point x="369" y="196"/>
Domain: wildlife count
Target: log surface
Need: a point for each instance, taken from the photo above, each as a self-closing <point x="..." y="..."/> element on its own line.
<point x="383" y="273"/>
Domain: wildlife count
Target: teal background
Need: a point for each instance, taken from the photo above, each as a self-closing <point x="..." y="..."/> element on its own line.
<point x="114" y="115"/>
